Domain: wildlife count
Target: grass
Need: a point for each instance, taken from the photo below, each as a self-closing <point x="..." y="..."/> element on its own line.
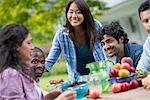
<point x="58" y="71"/>
<point x="44" y="81"/>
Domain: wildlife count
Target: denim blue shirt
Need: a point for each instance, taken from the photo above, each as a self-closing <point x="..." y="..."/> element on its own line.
<point x="134" y="51"/>
<point x="144" y="62"/>
<point x="63" y="43"/>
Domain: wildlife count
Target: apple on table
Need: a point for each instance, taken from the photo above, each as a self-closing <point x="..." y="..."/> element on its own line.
<point x="116" y="87"/>
<point x="94" y="94"/>
<point x="125" y="86"/>
<point x="127" y="60"/>
<point x="133" y="84"/>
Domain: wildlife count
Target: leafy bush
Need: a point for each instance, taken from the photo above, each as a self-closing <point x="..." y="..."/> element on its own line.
<point x="58" y="68"/>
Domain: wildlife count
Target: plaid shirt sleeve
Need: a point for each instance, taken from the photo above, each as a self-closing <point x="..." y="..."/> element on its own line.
<point x="53" y="53"/>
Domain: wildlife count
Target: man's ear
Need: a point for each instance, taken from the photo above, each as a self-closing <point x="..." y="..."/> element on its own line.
<point x="121" y="39"/>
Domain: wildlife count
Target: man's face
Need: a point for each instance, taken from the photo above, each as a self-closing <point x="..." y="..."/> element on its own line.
<point x="38" y="61"/>
<point x="145" y="18"/>
<point x="111" y="46"/>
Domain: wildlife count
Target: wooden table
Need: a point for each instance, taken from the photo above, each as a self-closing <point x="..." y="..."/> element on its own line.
<point x="134" y="94"/>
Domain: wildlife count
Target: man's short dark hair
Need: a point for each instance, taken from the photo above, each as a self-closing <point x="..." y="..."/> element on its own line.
<point x="144" y="6"/>
<point x="115" y="30"/>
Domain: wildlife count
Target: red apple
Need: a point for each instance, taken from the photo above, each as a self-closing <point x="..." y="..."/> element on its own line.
<point x="132" y="70"/>
<point x="133" y="84"/>
<point x="127" y="60"/>
<point x="114" y="73"/>
<point x="116" y="87"/>
<point x="126" y="66"/>
<point x="53" y="82"/>
<point x="61" y="80"/>
<point x="94" y="94"/>
<point x="56" y="81"/>
<point x="125" y="86"/>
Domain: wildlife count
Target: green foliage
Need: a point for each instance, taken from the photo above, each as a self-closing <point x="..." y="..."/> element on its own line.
<point x="40" y="16"/>
<point x="97" y="8"/>
<point x="58" y="68"/>
<point x="44" y="81"/>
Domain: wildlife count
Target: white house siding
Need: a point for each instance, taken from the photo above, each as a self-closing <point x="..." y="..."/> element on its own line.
<point x="126" y="13"/>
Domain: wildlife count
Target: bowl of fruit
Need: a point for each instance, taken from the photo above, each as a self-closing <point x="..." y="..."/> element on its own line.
<point x="123" y="76"/>
<point x="123" y="72"/>
<point x="81" y="88"/>
<point x="122" y="79"/>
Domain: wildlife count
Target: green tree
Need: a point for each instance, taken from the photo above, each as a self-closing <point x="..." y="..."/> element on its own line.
<point x="40" y="16"/>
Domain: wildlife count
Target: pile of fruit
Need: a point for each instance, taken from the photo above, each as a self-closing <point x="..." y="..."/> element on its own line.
<point x="123" y="69"/>
<point x="122" y="76"/>
<point x="125" y="86"/>
<point x="54" y="82"/>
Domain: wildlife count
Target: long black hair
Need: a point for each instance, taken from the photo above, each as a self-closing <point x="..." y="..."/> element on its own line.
<point x="88" y="23"/>
<point x="11" y="37"/>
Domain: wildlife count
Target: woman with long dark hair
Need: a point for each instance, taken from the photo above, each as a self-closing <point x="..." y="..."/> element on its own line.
<point x="16" y="78"/>
<point x="78" y="40"/>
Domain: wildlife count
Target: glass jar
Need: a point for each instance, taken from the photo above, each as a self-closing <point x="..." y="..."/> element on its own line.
<point x="99" y="75"/>
<point x="94" y="83"/>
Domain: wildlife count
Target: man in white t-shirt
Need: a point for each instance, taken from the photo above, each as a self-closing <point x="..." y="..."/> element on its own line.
<point x="144" y="14"/>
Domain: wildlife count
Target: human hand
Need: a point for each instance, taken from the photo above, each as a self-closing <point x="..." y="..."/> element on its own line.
<point x="52" y="95"/>
<point x="68" y="95"/>
<point x="146" y="82"/>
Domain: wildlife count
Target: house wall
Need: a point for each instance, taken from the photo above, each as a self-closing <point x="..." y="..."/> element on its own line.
<point x="126" y="14"/>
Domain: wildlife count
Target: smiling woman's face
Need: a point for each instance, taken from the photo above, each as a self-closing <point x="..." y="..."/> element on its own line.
<point x="74" y="15"/>
<point x="26" y="49"/>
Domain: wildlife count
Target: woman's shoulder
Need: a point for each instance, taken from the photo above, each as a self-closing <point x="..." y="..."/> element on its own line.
<point x="98" y="24"/>
<point x="60" y="33"/>
<point x="63" y="30"/>
<point x="10" y="72"/>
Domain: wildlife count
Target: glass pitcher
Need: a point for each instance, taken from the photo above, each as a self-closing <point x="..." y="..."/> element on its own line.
<point x="99" y="75"/>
